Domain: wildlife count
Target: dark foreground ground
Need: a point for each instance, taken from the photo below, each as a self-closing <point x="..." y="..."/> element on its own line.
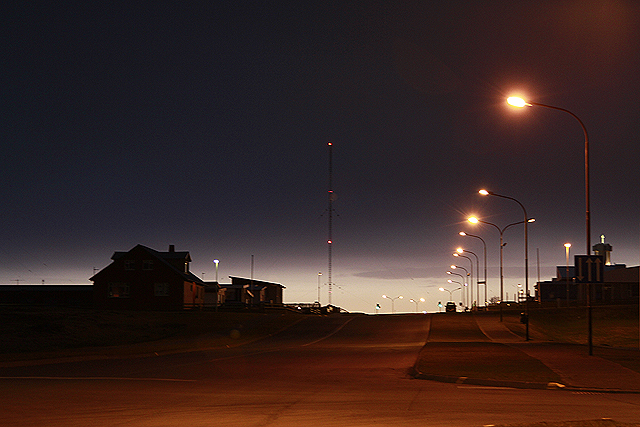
<point x="455" y="348"/>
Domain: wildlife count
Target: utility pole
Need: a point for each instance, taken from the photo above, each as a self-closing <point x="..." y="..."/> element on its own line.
<point x="330" y="237"/>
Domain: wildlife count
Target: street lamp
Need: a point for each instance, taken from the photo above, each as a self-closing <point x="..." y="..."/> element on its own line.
<point x="460" y="251"/>
<point x="216" y="262"/>
<point x="461" y="289"/>
<point x="519" y="102"/>
<point x="484" y="282"/>
<point x="501" y="231"/>
<point x="319" y="275"/>
<point x="469" y="297"/>
<point x="526" y="254"/>
<point x="469" y="277"/>
<point x="464" y="284"/>
<point x="450" y="292"/>
<point x="567" y="246"/>
<point x="416" y="302"/>
<point x="392" y="301"/>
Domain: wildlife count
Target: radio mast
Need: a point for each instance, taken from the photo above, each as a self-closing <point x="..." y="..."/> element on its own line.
<point x="331" y="198"/>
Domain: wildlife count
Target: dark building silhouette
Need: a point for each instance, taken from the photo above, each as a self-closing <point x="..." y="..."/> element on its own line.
<point x="615" y="283"/>
<point x="145" y="279"/>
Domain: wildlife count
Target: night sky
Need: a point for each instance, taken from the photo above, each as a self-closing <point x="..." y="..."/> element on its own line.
<point x="205" y="125"/>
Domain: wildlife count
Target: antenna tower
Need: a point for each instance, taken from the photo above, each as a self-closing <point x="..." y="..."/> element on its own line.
<point x="329" y="240"/>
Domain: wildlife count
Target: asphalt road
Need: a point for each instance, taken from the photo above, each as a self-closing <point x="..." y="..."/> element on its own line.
<point x="322" y="371"/>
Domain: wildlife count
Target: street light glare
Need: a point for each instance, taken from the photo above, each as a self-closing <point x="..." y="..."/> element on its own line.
<point x="567" y="245"/>
<point x="462" y="233"/>
<point x="473" y="220"/>
<point x="484" y="192"/>
<point x="459" y="250"/>
<point x="516" y="101"/>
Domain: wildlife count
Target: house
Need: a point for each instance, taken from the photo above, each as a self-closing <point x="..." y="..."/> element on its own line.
<point x="251" y="292"/>
<point x="145" y="279"/>
<point x="214" y="294"/>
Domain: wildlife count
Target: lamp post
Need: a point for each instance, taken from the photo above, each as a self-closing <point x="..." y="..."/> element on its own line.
<point x="461" y="289"/>
<point x="463" y="284"/>
<point x="484" y="282"/>
<point x="319" y="275"/>
<point x="416" y="302"/>
<point x="392" y="301"/>
<point x="501" y="231"/>
<point x="469" y="297"/>
<point x="526" y="255"/>
<point x="460" y="251"/>
<point x="567" y="246"/>
<point x="469" y="280"/>
<point x="450" y="292"/>
<point x="519" y="102"/>
<point x="216" y="262"/>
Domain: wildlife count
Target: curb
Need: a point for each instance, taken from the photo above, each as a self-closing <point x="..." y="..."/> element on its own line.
<point x="485" y="382"/>
<point x="513" y="384"/>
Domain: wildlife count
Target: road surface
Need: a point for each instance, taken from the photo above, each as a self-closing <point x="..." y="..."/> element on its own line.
<point x="322" y="371"/>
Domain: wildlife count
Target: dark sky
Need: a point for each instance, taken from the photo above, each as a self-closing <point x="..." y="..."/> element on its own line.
<point x="205" y="125"/>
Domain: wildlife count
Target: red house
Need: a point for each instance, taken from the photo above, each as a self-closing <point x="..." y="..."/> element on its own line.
<point x="145" y="279"/>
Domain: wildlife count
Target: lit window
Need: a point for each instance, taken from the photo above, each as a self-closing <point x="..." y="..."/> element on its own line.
<point x="118" y="290"/>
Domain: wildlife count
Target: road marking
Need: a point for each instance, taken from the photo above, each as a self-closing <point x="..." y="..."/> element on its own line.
<point x="332" y="333"/>
<point x="485" y="387"/>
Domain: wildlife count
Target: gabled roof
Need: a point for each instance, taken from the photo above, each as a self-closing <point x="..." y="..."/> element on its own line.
<point x="163" y="257"/>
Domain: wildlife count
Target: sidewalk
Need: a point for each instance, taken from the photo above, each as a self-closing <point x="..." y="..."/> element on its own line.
<point x="571" y="362"/>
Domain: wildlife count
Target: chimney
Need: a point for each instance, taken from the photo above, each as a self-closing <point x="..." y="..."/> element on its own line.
<point x="172" y="248"/>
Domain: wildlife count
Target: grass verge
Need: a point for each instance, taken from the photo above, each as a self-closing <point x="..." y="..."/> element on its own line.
<point x="483" y="360"/>
<point x="38" y="333"/>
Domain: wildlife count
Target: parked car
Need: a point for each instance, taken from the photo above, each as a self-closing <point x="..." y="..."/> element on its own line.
<point x="450" y="307"/>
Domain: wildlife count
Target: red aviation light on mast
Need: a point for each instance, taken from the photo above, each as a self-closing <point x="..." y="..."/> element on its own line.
<point x="329" y="241"/>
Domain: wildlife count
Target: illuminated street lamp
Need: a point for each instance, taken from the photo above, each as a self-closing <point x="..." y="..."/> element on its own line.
<point x="475" y="220"/>
<point x="461" y="289"/>
<point x="469" y="279"/>
<point x="526" y="254"/>
<point x="416" y="302"/>
<point x="216" y="262"/>
<point x="460" y="251"/>
<point x="484" y="282"/>
<point x="567" y="246"/>
<point x="463" y="284"/>
<point x="392" y="301"/>
<point x="519" y="102"/>
<point x="319" y="275"/>
<point x="450" y="292"/>
<point x="469" y="297"/>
